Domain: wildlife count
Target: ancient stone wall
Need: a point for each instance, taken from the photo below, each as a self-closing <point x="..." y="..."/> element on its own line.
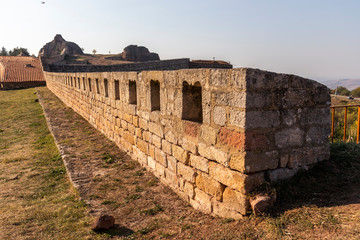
<point x="172" y="64"/>
<point x="212" y="135"/>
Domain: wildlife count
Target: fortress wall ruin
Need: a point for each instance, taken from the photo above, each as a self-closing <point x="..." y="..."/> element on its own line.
<point x="212" y="135"/>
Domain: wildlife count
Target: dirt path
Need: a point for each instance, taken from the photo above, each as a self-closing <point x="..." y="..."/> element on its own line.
<point x="110" y="182"/>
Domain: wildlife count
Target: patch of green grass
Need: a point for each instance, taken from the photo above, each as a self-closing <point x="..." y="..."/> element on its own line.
<point x="153" y="211"/>
<point x="43" y="200"/>
<point x="108" y="158"/>
<point x="149" y="228"/>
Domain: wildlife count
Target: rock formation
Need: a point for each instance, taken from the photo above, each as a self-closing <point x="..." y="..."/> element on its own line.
<point x="136" y="53"/>
<point x="57" y="49"/>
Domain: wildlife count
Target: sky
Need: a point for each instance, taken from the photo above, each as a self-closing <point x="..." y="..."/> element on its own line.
<point x="317" y="39"/>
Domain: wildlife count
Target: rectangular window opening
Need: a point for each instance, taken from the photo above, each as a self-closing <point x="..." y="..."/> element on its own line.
<point x="89" y="80"/>
<point x="97" y="86"/>
<point x="132" y="92"/>
<point x="155" y="95"/>
<point x="117" y="90"/>
<point x="84" y="84"/>
<point x="106" y="88"/>
<point x="79" y="83"/>
<point x="192" y="102"/>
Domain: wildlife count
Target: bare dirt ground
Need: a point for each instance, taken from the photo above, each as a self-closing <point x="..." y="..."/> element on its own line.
<point x="316" y="205"/>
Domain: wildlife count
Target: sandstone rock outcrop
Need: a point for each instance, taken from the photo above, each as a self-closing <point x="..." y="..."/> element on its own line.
<point x="57" y="49"/>
<point x="136" y="53"/>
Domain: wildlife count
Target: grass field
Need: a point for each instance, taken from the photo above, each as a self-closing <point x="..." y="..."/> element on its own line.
<point x="37" y="200"/>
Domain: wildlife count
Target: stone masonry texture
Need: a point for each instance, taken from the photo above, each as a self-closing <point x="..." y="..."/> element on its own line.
<point x="253" y="127"/>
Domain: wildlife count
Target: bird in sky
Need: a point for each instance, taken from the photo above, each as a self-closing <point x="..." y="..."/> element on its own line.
<point x="42" y="2"/>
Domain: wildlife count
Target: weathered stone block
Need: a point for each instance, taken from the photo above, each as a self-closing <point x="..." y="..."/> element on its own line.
<point x="232" y="138"/>
<point x="219" y="115"/>
<point x="199" y="163"/>
<point x="159" y="170"/>
<point x="262" y="119"/>
<point x="156" y="129"/>
<point x="209" y="186"/>
<point x="129" y="137"/>
<point x="171" y="164"/>
<point x="166" y="147"/>
<point x="189" y="190"/>
<point x="237" y="118"/>
<point x="152" y="151"/>
<point x="170" y="137"/>
<point x="128" y="117"/>
<point x="143" y="146"/>
<point x="213" y="153"/>
<point x="160" y="157"/>
<point x="202" y="201"/>
<point x="144" y="124"/>
<point x="155" y="140"/>
<point x="219" y="77"/>
<point x="180" y="154"/>
<point x="186" y="172"/>
<point x="235" y="200"/>
<point x="188" y="145"/>
<point x="192" y="129"/>
<point x="208" y="134"/>
<point x="151" y="163"/>
<point x="235" y="180"/>
<point x="147" y="136"/>
<point x="291" y="137"/>
<point x="219" y="209"/>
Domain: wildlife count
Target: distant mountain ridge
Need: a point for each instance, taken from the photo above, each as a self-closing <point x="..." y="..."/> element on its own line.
<point x="348" y="83"/>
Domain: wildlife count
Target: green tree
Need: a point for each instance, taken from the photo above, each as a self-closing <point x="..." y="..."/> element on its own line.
<point x="16" y="51"/>
<point x="343" y="91"/>
<point x="356" y="92"/>
<point x="4" y="52"/>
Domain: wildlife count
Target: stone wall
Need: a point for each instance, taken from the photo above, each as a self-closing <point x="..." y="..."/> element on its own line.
<point x="212" y="135"/>
<point x="172" y="64"/>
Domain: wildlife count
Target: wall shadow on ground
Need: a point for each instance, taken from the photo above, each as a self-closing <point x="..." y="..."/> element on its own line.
<point x="329" y="183"/>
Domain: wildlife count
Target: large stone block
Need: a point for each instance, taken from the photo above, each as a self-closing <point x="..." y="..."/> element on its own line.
<point x="235" y="200"/>
<point x="156" y="129"/>
<point x="219" y="115"/>
<point x="214" y="154"/>
<point x="237" y="118"/>
<point x="202" y="201"/>
<point x="209" y="186"/>
<point x="160" y="157"/>
<point x="189" y="145"/>
<point x="290" y="137"/>
<point x="208" y="134"/>
<point x="186" y="172"/>
<point x="180" y="154"/>
<point x="250" y="162"/>
<point x="262" y="119"/>
<point x="199" y="163"/>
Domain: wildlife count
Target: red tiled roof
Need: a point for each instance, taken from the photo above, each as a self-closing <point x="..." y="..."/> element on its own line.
<point x="20" y="69"/>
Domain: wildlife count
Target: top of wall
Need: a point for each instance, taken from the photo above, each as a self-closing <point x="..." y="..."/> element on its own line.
<point x="172" y="64"/>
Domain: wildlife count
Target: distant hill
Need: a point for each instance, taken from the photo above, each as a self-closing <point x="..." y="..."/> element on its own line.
<point x="348" y="83"/>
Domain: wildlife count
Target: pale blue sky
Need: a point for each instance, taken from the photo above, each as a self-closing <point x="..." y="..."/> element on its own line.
<point x="318" y="39"/>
